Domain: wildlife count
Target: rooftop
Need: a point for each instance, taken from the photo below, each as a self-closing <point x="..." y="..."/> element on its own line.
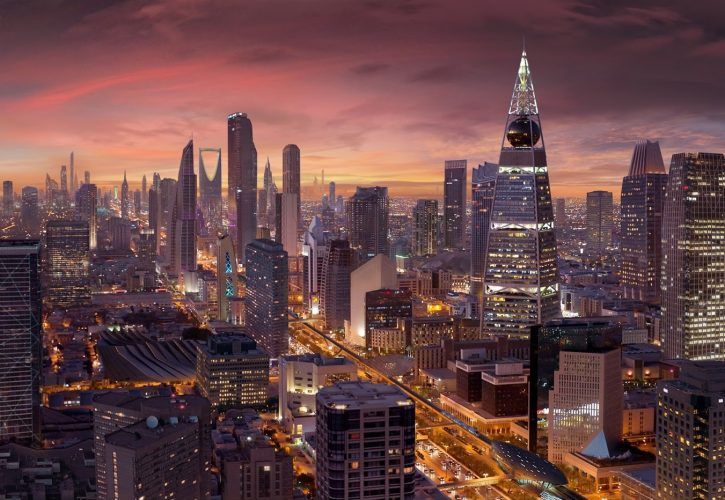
<point x="140" y="435"/>
<point x="352" y="395"/>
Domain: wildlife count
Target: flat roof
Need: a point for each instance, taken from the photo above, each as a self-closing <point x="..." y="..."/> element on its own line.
<point x="359" y="395"/>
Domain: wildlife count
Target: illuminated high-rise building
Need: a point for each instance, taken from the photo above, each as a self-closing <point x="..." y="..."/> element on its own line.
<point x="454" y="204"/>
<point x="64" y="179"/>
<point x="600" y="222"/>
<point x="86" y="206"/>
<point x="210" y="188"/>
<point x="155" y="217"/>
<point x="227" y="276"/>
<point x="73" y="176"/>
<point x="693" y="258"/>
<point x="124" y="197"/>
<point x="29" y="215"/>
<point x="242" y="171"/>
<point x="367" y="220"/>
<point x="425" y="227"/>
<point x="291" y="179"/>
<point x="642" y="205"/>
<point x="267" y="295"/>
<point x="67" y="262"/>
<point x="144" y="192"/>
<point x="483" y="181"/>
<point x="520" y="281"/>
<point x="313" y="254"/>
<point x="337" y="267"/>
<point x="286" y="222"/>
<point x="8" y="198"/>
<point x="21" y="348"/>
<point x="182" y="226"/>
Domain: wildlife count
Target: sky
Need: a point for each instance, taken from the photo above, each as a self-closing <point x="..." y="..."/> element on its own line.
<point x="374" y="92"/>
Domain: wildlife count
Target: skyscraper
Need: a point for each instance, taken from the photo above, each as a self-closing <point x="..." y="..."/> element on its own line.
<point x="367" y="220"/>
<point x="64" y="179"/>
<point x="86" y="205"/>
<point x="346" y="412"/>
<point x="227" y="277"/>
<point x="21" y="349"/>
<point x="286" y="222"/>
<point x="29" y="216"/>
<point x="313" y="254"/>
<point x="8" y="198"/>
<point x="642" y="205"/>
<point x="242" y="171"/>
<point x="144" y="192"/>
<point x="690" y="419"/>
<point x="379" y="272"/>
<point x="155" y="217"/>
<point x="337" y="267"/>
<point x="454" y="204"/>
<point x="86" y="177"/>
<point x="210" y="189"/>
<point x="425" y="227"/>
<point x="182" y="226"/>
<point x="560" y="212"/>
<point x="67" y="265"/>
<point x="124" y="197"/>
<point x="73" y="176"/>
<point x="600" y="221"/>
<point x="693" y="258"/>
<point x="483" y="182"/>
<point x="267" y="295"/>
<point x="520" y="281"/>
<point x="291" y="172"/>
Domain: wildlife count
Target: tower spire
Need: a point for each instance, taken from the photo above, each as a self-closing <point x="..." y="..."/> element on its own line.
<point x="523" y="99"/>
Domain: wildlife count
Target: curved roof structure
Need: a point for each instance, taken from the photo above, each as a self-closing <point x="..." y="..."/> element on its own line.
<point x="527" y="466"/>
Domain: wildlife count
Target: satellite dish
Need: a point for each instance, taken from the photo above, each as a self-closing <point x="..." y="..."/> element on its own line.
<point x="152" y="422"/>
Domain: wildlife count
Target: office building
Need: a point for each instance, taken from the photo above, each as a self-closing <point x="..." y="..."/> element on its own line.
<point x="29" y="215"/>
<point x="560" y="212"/>
<point x="454" y="204"/>
<point x="376" y="465"/>
<point x="425" y="227"/>
<point x="300" y="377"/>
<point x="86" y="206"/>
<point x="231" y="371"/>
<point x="256" y="471"/>
<point x="286" y="222"/>
<point x="291" y="172"/>
<point x="154" y="459"/>
<point x="117" y="410"/>
<point x="367" y="221"/>
<point x="690" y="423"/>
<point x="182" y="225"/>
<point x="384" y="308"/>
<point x="210" y="189"/>
<point x="585" y="404"/>
<point x="155" y="216"/>
<point x="335" y="287"/>
<point x="119" y="231"/>
<point x="8" y="198"/>
<point x="374" y="274"/>
<point x="227" y="277"/>
<point x="693" y="258"/>
<point x="67" y="262"/>
<point x="242" y="172"/>
<point x="313" y="255"/>
<point x="21" y="346"/>
<point x="483" y="182"/>
<point x="267" y="296"/>
<point x="600" y="221"/>
<point x="521" y="278"/>
<point x="642" y="206"/>
<point x="124" y="197"/>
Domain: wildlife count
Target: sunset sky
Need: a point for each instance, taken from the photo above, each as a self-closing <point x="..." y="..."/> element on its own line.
<point x="373" y="92"/>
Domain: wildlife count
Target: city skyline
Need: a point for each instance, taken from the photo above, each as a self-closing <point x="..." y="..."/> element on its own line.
<point x="427" y="105"/>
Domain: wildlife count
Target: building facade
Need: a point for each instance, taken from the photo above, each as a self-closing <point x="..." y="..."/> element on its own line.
<point x="337" y="267"/>
<point x="367" y="219"/>
<point x="425" y="227"/>
<point x="454" y="204"/>
<point x="291" y="179"/>
<point x="86" y="206"/>
<point x="483" y="184"/>
<point x="227" y="277"/>
<point x="182" y="226"/>
<point x="210" y="189"/>
<point x="242" y="177"/>
<point x="67" y="262"/>
<point x="600" y="221"/>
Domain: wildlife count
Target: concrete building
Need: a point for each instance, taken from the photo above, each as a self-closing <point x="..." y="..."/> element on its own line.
<point x="425" y="227"/>
<point x="377" y="273"/>
<point x="67" y="262"/>
<point x="335" y="288"/>
<point x="291" y="178"/>
<point x="300" y="378"/>
<point x="232" y="371"/>
<point x="287" y="222"/>
<point x="600" y="222"/>
<point x="384" y="308"/>
<point x="585" y="404"/>
<point x="454" y="204"/>
<point x="256" y="471"/>
<point x="690" y="423"/>
<point x="367" y="221"/>
<point x="378" y="464"/>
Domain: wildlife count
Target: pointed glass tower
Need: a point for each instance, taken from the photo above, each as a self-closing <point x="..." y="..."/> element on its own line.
<point x="520" y="281"/>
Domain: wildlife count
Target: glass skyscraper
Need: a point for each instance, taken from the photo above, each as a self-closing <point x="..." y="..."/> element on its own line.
<point x="693" y="258"/>
<point x="454" y="204"/>
<point x="210" y="188"/>
<point x="483" y="182"/>
<point x="367" y="219"/>
<point x="67" y="262"/>
<point x="520" y="281"/>
<point x="182" y="227"/>
<point x="643" y="196"/>
<point x="242" y="171"/>
<point x="425" y="227"/>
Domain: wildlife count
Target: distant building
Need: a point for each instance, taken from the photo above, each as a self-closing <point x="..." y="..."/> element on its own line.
<point x="560" y="212"/>
<point x="346" y="412"/>
<point x="642" y="206"/>
<point x="300" y="377"/>
<point x="367" y="221"/>
<point x="124" y="197"/>
<point x="425" y="227"/>
<point x="21" y="346"/>
<point x="256" y="471"/>
<point x="600" y="221"/>
<point x="693" y="259"/>
<point x="286" y="222"/>
<point x="87" y="206"/>
<point x="690" y="420"/>
<point x="483" y="182"/>
<point x="267" y="296"/>
<point x="210" y="189"/>
<point x="231" y="371"/>
<point x="182" y="225"/>
<point x="242" y="179"/>
<point x="29" y="215"/>
<point x="375" y="274"/>
<point x="337" y="267"/>
<point x="8" y="198"/>
<point x="585" y="404"/>
<point x="67" y="263"/>
<point x="313" y="255"/>
<point x="454" y="204"/>
<point x="227" y="276"/>
<point x="291" y="173"/>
